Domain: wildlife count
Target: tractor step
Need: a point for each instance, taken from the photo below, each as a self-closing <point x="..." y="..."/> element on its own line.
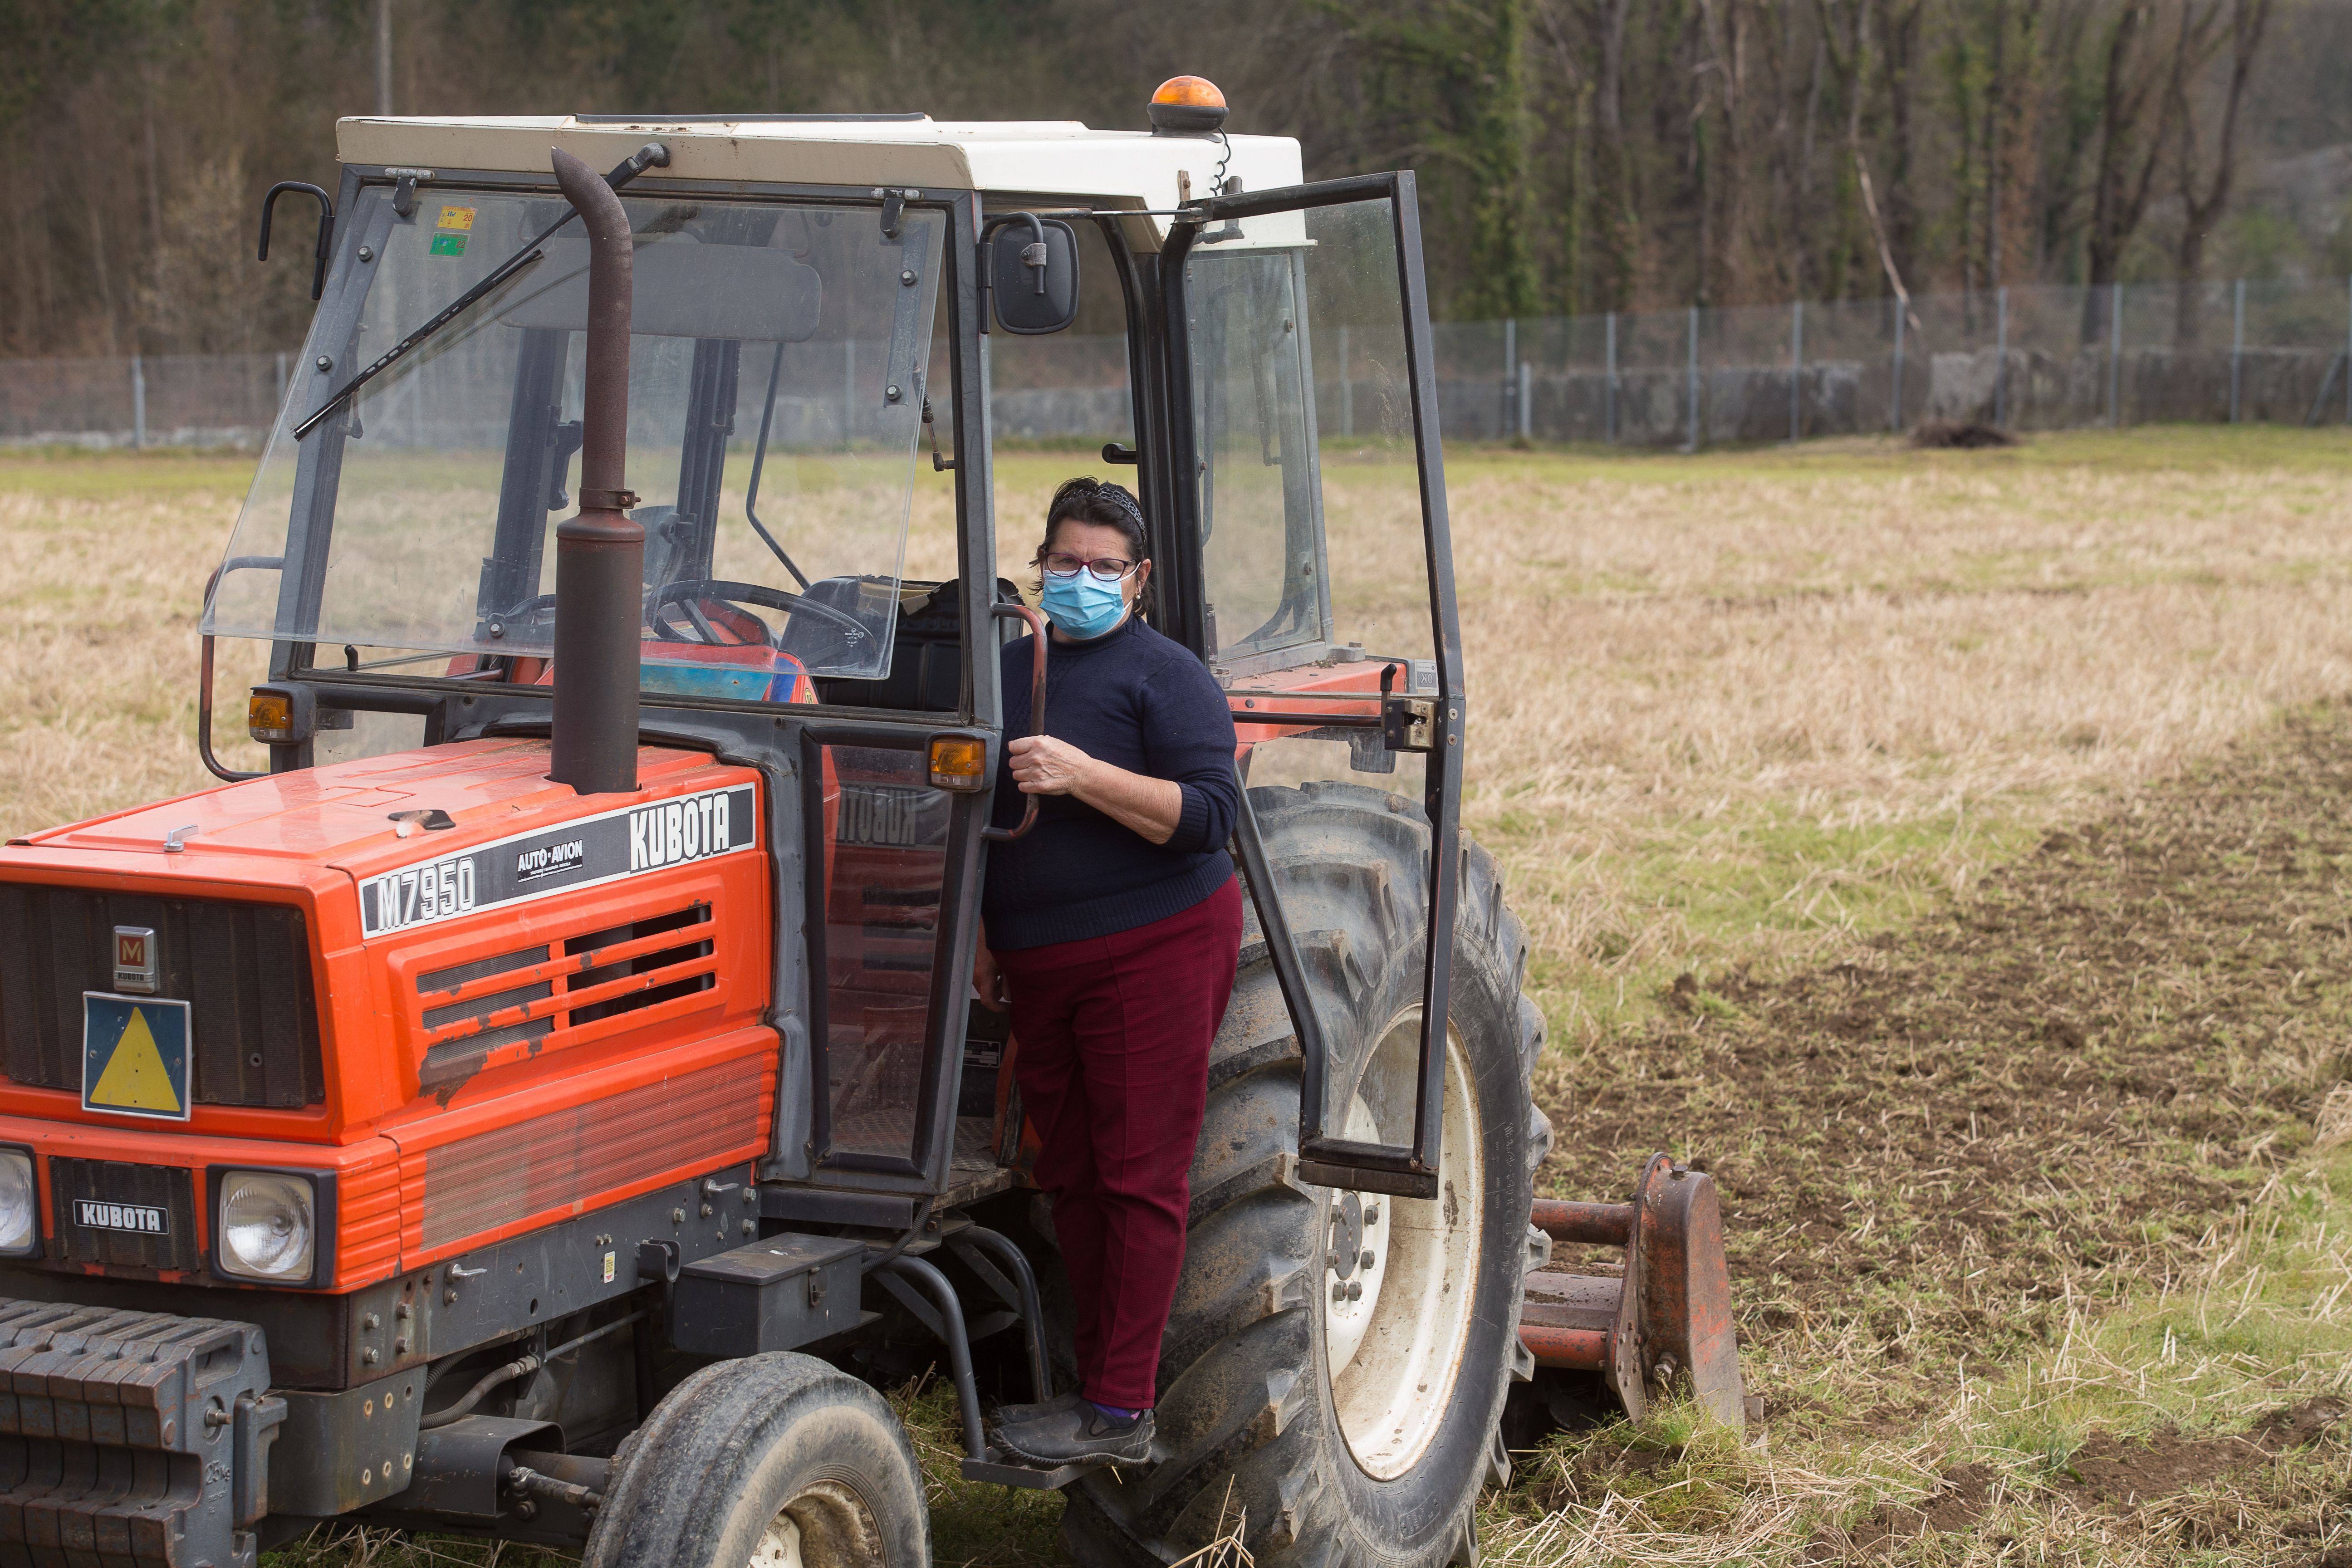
<point x="1028" y="1477"/>
<point x="1667" y="1314"/>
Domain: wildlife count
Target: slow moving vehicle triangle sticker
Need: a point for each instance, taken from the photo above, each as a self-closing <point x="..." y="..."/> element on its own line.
<point x="141" y="1074"/>
<point x="136" y="1078"/>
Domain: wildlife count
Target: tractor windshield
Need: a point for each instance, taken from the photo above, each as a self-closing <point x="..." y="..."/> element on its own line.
<point x="775" y="396"/>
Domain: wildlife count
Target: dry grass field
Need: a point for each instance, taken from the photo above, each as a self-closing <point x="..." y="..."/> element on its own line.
<point x="1945" y="850"/>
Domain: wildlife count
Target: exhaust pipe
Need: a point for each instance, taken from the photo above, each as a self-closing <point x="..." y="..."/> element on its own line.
<point x="600" y="553"/>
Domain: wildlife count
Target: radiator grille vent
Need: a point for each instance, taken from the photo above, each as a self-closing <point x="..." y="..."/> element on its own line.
<point x="687" y="951"/>
<point x="245" y="969"/>
<point x="474" y="1009"/>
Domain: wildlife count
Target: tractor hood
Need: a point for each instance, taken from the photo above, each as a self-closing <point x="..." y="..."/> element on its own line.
<point x="367" y="942"/>
<point x="359" y="817"/>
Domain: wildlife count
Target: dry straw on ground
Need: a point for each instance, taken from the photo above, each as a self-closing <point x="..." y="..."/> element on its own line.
<point x="1734" y="711"/>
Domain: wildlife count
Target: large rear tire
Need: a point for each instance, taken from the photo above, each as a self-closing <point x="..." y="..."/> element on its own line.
<point x="774" y="1461"/>
<point x="1353" y="1428"/>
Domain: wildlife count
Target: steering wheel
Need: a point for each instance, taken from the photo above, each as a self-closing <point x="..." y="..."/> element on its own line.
<point x="688" y="592"/>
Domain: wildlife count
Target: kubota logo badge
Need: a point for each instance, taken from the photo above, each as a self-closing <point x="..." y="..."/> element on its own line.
<point x="677" y="830"/>
<point x="583" y="854"/>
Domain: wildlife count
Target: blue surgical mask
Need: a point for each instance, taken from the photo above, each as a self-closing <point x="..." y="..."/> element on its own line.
<point x="1083" y="606"/>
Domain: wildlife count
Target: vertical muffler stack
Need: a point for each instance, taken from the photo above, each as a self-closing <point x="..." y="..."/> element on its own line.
<point x="600" y="553"/>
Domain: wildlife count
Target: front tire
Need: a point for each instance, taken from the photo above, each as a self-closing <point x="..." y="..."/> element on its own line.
<point x="772" y="1461"/>
<point x="1354" y="1429"/>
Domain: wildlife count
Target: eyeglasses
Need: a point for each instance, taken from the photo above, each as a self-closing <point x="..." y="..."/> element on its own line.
<point x="1109" y="568"/>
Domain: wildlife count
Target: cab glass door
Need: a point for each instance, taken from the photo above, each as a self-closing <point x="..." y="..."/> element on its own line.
<point x="1323" y="597"/>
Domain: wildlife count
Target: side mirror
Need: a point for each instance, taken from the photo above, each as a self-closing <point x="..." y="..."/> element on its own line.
<point x="1033" y="272"/>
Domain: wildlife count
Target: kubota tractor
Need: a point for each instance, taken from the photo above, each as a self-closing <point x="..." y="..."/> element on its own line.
<point x="546" y="1103"/>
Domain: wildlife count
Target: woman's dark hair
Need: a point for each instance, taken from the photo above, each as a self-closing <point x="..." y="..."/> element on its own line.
<point x="1106" y="505"/>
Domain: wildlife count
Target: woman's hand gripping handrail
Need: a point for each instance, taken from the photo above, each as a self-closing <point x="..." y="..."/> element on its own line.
<point x="1036" y="711"/>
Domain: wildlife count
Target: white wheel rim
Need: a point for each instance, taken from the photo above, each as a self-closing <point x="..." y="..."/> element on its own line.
<point x="1395" y="1325"/>
<point x="779" y="1544"/>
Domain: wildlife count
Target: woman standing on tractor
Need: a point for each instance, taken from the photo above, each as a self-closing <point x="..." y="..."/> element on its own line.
<point x="1112" y="927"/>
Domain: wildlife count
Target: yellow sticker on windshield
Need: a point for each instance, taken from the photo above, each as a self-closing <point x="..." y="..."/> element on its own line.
<point x="456" y="217"/>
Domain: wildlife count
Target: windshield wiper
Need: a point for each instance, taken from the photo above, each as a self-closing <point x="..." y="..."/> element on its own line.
<point x="652" y="155"/>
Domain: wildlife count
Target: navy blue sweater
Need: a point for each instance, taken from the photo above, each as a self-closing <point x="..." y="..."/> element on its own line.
<point x="1137" y="700"/>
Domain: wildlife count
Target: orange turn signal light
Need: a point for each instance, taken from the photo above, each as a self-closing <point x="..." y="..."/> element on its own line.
<point x="269" y="717"/>
<point x="959" y="763"/>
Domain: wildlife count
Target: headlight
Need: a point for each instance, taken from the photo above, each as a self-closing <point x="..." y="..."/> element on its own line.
<point x="269" y="1226"/>
<point x="20" y="1226"/>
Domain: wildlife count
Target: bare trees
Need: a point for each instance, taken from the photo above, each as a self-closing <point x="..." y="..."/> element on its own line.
<point x="2204" y="195"/>
<point x="1575" y="154"/>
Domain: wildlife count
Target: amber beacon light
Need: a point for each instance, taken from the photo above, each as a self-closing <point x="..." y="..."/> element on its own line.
<point x="1188" y="106"/>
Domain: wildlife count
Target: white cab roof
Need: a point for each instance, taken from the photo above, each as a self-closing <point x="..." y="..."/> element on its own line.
<point x="1060" y="160"/>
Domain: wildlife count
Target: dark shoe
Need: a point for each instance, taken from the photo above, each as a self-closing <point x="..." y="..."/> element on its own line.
<point x="1070" y="1436"/>
<point x="1014" y="1415"/>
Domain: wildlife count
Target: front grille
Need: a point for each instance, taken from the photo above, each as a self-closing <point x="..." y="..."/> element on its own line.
<point x="245" y="969"/>
<point x="128" y="1201"/>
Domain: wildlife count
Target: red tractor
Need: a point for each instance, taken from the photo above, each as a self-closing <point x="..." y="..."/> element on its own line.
<point x="546" y="1103"/>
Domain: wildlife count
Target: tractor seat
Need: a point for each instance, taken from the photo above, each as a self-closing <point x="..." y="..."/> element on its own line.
<point x="926" y="672"/>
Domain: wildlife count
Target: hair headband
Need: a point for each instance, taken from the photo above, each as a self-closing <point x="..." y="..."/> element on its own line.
<point x="1125" y="502"/>
<point x="1116" y="494"/>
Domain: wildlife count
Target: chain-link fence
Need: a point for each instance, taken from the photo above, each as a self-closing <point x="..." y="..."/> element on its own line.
<point x="141" y="400"/>
<point x="2033" y="358"/>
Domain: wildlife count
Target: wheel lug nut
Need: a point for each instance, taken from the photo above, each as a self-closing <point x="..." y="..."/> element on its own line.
<point x="1338" y="1291"/>
<point x="1355" y="1290"/>
<point x="1368" y="1258"/>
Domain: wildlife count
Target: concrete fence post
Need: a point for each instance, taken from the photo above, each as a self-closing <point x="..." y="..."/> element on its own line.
<point x="1796" y="370"/>
<point x="2347" y="351"/>
<point x="2114" y="355"/>
<point x="2001" y="355"/>
<point x="1527" y="400"/>
<point x="138" y="402"/>
<point x="1894" y="412"/>
<point x="1690" y="384"/>
<point x="1609" y="385"/>
<point x="2237" y="350"/>
<point x="1509" y="421"/>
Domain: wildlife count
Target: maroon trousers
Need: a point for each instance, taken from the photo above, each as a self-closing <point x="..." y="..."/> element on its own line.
<point x="1113" y="1063"/>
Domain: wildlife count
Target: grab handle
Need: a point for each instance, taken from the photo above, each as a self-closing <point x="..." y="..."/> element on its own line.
<point x="1037" y="712"/>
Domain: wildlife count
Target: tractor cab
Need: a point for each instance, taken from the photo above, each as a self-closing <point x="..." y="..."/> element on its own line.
<point x="825" y="578"/>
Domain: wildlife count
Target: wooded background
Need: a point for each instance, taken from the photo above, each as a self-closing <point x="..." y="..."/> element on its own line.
<point x="1576" y="155"/>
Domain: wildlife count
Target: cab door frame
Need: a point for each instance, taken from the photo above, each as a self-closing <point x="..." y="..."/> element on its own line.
<point x="1409" y="1171"/>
